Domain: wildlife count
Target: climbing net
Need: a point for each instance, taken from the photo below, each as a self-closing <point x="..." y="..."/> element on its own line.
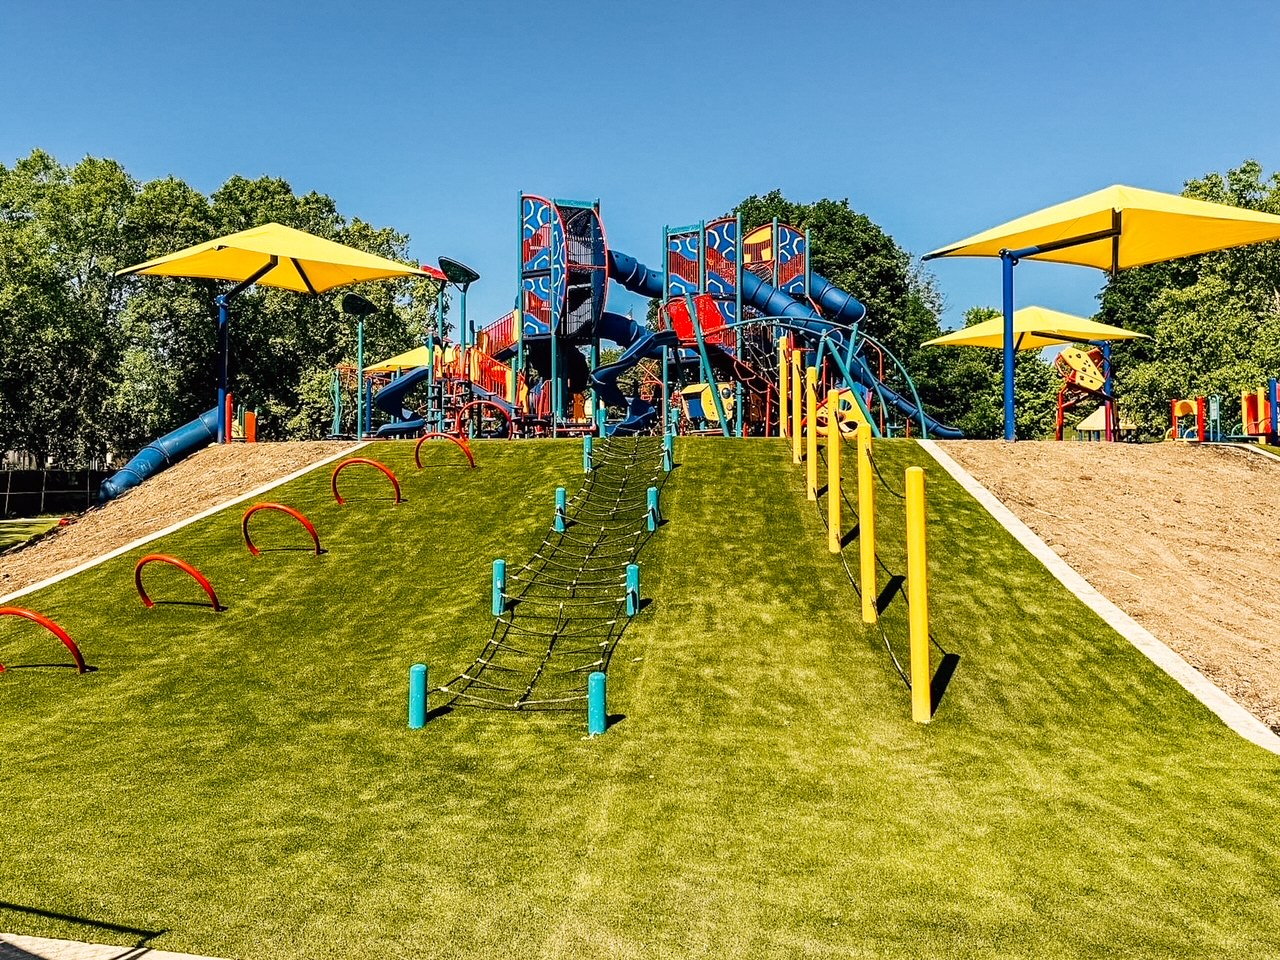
<point x="566" y="607"/>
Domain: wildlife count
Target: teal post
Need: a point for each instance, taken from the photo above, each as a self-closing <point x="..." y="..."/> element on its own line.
<point x="337" y="403"/>
<point x="668" y="452"/>
<point x="499" y="587"/>
<point x="633" y="589"/>
<point x="417" y="696"/>
<point x="597" y="715"/>
<point x="654" y="517"/>
<point x="561" y="505"/>
<point x="360" y="379"/>
<point x="586" y="453"/>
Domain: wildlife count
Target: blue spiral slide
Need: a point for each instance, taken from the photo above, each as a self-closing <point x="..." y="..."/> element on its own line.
<point x="772" y="302"/>
<point x="158" y="454"/>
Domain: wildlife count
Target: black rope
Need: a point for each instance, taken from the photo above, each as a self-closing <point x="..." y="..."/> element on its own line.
<point x="573" y="588"/>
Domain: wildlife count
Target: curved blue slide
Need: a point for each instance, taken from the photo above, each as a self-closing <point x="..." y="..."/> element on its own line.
<point x="772" y="302"/>
<point x="158" y="454"/>
<point x="638" y="343"/>
<point x="390" y="399"/>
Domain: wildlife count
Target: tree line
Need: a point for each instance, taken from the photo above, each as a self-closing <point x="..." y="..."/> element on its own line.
<point x="94" y="363"/>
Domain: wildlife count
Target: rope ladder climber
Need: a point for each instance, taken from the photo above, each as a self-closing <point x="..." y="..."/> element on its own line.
<point x="564" y="610"/>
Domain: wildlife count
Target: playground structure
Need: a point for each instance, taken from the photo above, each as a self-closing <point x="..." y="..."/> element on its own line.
<point x="710" y="366"/>
<point x="1260" y="413"/>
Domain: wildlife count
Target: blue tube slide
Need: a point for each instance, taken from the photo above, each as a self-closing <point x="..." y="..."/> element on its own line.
<point x="639" y="343"/>
<point x="390" y="399"/>
<point x="158" y="454"/>
<point x="772" y="302"/>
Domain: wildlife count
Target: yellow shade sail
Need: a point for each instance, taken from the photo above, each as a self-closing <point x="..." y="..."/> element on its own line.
<point x="1033" y="328"/>
<point x="278" y="256"/>
<point x="1148" y="227"/>
<point x="409" y="360"/>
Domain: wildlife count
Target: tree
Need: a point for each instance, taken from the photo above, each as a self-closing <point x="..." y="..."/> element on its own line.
<point x="1213" y="319"/>
<point x="96" y="362"/>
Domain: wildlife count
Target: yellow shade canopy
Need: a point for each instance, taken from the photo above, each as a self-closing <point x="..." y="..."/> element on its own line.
<point x="1148" y="227"/>
<point x="409" y="360"/>
<point x="1033" y="328"/>
<point x="302" y="262"/>
<point x="1096" y="422"/>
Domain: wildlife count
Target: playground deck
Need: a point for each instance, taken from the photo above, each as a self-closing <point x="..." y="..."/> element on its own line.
<point x="207" y="478"/>
<point x="1182" y="538"/>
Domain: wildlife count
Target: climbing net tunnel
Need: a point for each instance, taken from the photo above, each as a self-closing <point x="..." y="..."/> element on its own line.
<point x="566" y="607"/>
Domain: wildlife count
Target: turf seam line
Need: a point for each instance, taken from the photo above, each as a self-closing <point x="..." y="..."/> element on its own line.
<point x="172" y="528"/>
<point x="1163" y="656"/>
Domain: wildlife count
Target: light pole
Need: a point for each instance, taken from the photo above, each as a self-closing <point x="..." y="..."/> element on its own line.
<point x="357" y="306"/>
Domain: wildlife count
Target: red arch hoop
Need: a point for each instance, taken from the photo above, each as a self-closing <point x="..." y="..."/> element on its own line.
<point x="52" y="627"/>
<point x="181" y="565"/>
<point x="333" y="481"/>
<point x="417" y="455"/>
<point x="244" y="524"/>
<point x="457" y="423"/>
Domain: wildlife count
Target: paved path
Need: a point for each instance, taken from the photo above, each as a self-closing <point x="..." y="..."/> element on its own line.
<point x="13" y="947"/>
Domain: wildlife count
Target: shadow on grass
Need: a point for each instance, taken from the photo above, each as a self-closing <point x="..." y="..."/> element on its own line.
<point x="895" y="587"/>
<point x="144" y="936"/>
<point x="191" y="603"/>
<point x="300" y="548"/>
<point x="613" y="719"/>
<point x="942" y="678"/>
<point x="88" y="668"/>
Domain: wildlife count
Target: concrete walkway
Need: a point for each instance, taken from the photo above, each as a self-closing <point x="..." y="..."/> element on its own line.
<point x="14" y="947"/>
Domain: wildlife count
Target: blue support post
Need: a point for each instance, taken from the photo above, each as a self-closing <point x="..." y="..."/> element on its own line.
<point x="561" y="509"/>
<point x="499" y="587"/>
<point x="668" y="452"/>
<point x="1273" y="394"/>
<point x="1007" y="263"/>
<point x="417" y="696"/>
<point x="653" y="517"/>
<point x="633" y="589"/>
<point x="224" y="320"/>
<point x="586" y="453"/>
<point x="597" y="711"/>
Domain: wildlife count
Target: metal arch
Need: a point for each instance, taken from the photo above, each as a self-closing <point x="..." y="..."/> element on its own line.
<point x="244" y="524"/>
<point x="436" y="435"/>
<point x="351" y="461"/>
<point x="181" y="565"/>
<point x="52" y="627"/>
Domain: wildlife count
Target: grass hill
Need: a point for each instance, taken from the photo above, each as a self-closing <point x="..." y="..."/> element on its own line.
<point x="243" y="784"/>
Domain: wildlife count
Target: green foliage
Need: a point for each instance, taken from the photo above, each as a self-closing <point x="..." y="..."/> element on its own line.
<point x="96" y="363"/>
<point x="1214" y="319"/>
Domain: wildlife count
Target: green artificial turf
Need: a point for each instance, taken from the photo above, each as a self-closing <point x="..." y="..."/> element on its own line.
<point x="243" y="784"/>
<point x="15" y="532"/>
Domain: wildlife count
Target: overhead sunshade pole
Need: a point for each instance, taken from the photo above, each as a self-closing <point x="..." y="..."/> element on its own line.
<point x="224" y="321"/>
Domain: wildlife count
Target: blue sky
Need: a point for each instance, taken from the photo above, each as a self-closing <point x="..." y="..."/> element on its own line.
<point x="936" y="119"/>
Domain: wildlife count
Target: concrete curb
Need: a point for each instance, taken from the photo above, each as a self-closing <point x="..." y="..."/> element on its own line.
<point x="1197" y="684"/>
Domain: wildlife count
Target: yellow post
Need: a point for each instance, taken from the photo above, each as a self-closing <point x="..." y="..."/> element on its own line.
<point x="833" y="472"/>
<point x="918" y="599"/>
<point x="784" y="377"/>
<point x="797" y="401"/>
<point x="811" y="418"/>
<point x="866" y="525"/>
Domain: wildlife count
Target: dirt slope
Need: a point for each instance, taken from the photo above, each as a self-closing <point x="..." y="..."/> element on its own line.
<point x="210" y="477"/>
<point x="1183" y="538"/>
